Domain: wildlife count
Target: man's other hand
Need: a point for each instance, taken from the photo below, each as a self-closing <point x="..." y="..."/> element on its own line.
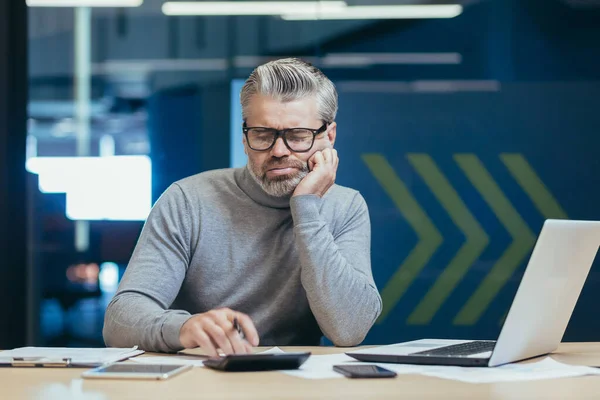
<point x="323" y="166"/>
<point x="215" y="330"/>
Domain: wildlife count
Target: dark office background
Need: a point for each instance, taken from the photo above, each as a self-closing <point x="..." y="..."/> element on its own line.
<point x="463" y="134"/>
<point x="13" y="216"/>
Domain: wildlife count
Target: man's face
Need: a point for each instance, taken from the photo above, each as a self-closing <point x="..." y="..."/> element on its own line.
<point x="279" y="170"/>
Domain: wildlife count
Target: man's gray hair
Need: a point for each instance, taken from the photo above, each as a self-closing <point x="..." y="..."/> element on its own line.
<point x="291" y="79"/>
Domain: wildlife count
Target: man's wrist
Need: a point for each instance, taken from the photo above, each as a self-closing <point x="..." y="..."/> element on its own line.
<point x="305" y="208"/>
<point x="172" y="327"/>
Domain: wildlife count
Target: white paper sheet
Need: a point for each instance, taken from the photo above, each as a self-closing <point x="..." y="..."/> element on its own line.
<point x="321" y="367"/>
<point x="544" y="369"/>
<point x="77" y="355"/>
<point x="272" y="350"/>
<point x="196" y="361"/>
<point x="171" y="360"/>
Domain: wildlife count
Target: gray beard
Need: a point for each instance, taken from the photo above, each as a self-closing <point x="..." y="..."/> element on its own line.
<point x="279" y="187"/>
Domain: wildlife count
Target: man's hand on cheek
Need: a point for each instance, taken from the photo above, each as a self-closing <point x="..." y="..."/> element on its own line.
<point x="323" y="166"/>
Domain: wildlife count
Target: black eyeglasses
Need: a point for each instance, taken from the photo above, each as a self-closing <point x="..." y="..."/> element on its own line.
<point x="298" y="140"/>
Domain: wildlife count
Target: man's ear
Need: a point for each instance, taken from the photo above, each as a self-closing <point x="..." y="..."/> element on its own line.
<point x="244" y="143"/>
<point x="331" y="133"/>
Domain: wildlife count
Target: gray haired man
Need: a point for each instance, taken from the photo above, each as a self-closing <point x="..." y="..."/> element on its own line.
<point x="275" y="247"/>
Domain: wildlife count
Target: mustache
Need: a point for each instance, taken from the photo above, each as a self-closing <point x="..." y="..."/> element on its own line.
<point x="278" y="163"/>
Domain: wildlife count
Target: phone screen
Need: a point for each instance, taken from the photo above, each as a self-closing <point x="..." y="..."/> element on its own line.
<point x="366" y="371"/>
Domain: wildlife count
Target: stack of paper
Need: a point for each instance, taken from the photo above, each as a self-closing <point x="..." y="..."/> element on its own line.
<point x="76" y="356"/>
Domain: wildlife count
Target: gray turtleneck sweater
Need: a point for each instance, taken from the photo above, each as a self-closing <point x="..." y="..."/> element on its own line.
<point x="299" y="267"/>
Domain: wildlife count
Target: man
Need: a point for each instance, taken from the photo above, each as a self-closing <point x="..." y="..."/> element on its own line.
<point x="275" y="246"/>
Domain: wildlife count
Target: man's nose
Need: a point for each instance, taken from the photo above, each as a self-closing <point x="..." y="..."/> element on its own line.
<point x="280" y="149"/>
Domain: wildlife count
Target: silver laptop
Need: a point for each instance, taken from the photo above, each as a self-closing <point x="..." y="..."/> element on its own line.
<point x="539" y="314"/>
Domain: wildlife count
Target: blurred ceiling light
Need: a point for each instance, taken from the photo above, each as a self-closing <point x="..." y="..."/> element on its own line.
<point x="381" y="12"/>
<point x="370" y="59"/>
<point x="366" y="59"/>
<point x="84" y="3"/>
<point x="252" y="7"/>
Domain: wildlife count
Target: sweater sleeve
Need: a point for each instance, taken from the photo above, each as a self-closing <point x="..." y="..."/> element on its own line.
<point x="336" y="270"/>
<point x="139" y="313"/>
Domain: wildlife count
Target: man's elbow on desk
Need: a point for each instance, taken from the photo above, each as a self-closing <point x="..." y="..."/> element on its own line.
<point x="112" y="331"/>
<point x="110" y="339"/>
<point x="352" y="334"/>
<point x="348" y="335"/>
<point x="347" y="339"/>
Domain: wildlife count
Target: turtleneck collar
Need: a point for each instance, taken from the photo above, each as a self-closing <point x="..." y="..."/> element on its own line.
<point x="249" y="186"/>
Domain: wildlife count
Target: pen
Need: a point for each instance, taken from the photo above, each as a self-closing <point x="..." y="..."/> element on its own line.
<point x="238" y="328"/>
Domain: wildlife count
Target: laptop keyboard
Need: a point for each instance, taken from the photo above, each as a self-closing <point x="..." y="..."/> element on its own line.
<point x="463" y="349"/>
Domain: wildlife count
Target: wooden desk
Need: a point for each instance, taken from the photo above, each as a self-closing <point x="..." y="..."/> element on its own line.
<point x="202" y="383"/>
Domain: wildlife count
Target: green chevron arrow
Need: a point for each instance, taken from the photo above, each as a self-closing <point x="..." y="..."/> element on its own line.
<point x="522" y="239"/>
<point x="531" y="183"/>
<point x="429" y="237"/>
<point x="476" y="239"/>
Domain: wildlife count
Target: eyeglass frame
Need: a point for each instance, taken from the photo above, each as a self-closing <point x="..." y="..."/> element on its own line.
<point x="280" y="133"/>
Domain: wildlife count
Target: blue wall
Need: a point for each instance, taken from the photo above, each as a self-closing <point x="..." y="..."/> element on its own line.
<point x="551" y="129"/>
<point x="538" y="116"/>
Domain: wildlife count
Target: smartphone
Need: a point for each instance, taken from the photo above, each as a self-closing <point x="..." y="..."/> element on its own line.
<point x="364" y="371"/>
<point x="136" y="371"/>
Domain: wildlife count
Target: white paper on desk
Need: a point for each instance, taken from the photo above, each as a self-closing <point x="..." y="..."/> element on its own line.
<point x="544" y="369"/>
<point x="77" y="355"/>
<point x="321" y="367"/>
<point x="171" y="360"/>
<point x="272" y="350"/>
<point x="196" y="361"/>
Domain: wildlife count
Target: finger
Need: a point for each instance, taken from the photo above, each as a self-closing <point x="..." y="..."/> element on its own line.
<point x="248" y="328"/>
<point x="217" y="334"/>
<point x="336" y="158"/>
<point x="328" y="156"/>
<point x="318" y="159"/>
<point x="311" y="164"/>
<point x="236" y="341"/>
<point x="205" y="343"/>
<point x="227" y="312"/>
